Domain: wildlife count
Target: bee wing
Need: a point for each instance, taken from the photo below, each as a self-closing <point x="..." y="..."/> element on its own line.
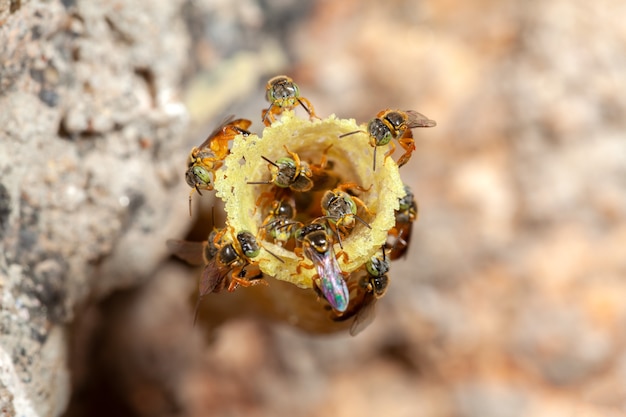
<point x="365" y="316"/>
<point x="419" y="120"/>
<point x="190" y="252"/>
<point x="333" y="285"/>
<point x="212" y="278"/>
<point x="227" y="120"/>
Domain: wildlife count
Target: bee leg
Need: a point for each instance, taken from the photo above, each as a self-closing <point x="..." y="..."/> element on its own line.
<point x="323" y="162"/>
<point x="343" y="255"/>
<point x="267" y="116"/>
<point x="349" y="185"/>
<point x="239" y="278"/>
<point x="245" y="282"/>
<point x="295" y="157"/>
<point x="306" y="104"/>
<point x="266" y="196"/>
<point x="408" y="144"/>
<point x="335" y="229"/>
<point x="319" y="293"/>
<point x="301" y="265"/>
<point x="392" y="148"/>
<point x="218" y="236"/>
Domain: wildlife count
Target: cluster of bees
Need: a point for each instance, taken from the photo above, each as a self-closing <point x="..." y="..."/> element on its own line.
<point x="307" y="209"/>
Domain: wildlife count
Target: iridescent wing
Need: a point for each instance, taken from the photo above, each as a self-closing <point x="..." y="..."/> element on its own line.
<point x="332" y="284"/>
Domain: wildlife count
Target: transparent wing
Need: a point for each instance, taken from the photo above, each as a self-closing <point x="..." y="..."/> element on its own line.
<point x="190" y="252"/>
<point x="419" y="120"/>
<point x="207" y="141"/>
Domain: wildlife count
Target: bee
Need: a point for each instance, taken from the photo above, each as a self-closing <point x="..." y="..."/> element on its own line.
<point x="401" y="232"/>
<point x="207" y="158"/>
<point x="394" y="124"/>
<point x="317" y="245"/>
<point x="340" y="209"/>
<point x="374" y="283"/>
<point x="289" y="173"/>
<point x="280" y="223"/>
<point x="225" y="261"/>
<point x="283" y="94"/>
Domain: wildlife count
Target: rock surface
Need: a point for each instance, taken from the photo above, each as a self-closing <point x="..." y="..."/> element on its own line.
<point x="91" y="120"/>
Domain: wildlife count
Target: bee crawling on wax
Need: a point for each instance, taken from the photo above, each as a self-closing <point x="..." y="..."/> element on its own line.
<point x="317" y="245"/>
<point x="225" y="261"/>
<point x="289" y="172"/>
<point x="401" y="232"/>
<point x="394" y="124"/>
<point x="207" y="158"/>
<point x="340" y="209"/>
<point x="283" y="94"/>
<point x="374" y="283"/>
<point x="280" y="222"/>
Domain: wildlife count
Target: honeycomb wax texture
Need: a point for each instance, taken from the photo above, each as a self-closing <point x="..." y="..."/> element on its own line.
<point x="352" y="162"/>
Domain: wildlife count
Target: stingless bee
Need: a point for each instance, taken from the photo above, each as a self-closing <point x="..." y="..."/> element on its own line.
<point x="317" y="246"/>
<point x="280" y="223"/>
<point x="207" y="158"/>
<point x="289" y="173"/>
<point x="401" y="232"/>
<point x="283" y="94"/>
<point x="394" y="124"/>
<point x="225" y="261"/>
<point x="374" y="282"/>
<point x="340" y="209"/>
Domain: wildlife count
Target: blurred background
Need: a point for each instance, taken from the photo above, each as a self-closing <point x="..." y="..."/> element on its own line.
<point x="510" y="301"/>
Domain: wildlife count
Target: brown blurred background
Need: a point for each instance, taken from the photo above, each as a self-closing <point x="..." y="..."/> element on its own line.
<point x="510" y="301"/>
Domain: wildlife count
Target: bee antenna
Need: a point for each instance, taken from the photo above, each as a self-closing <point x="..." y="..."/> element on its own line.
<point x="259" y="182"/>
<point x="363" y="221"/>
<point x="274" y="255"/>
<point x="270" y="224"/>
<point x="267" y="112"/>
<point x="374" y="166"/>
<point x="351" y="133"/>
<point x="285" y="224"/>
<point x="339" y="238"/>
<point x="271" y="162"/>
<point x="305" y="107"/>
